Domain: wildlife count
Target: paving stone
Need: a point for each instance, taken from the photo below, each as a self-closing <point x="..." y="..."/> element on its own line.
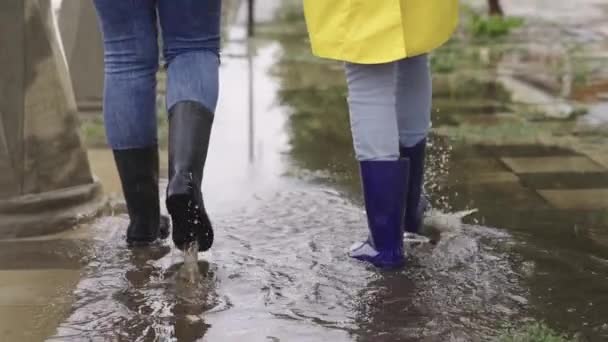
<point x="553" y="164"/>
<point x="473" y="166"/>
<point x="493" y="177"/>
<point x="495" y="197"/>
<point x="601" y="159"/>
<point x="524" y="151"/>
<point x="592" y="199"/>
<point x="36" y="287"/>
<point x="570" y="180"/>
<point x="30" y="323"/>
<point x="54" y="254"/>
<point x="599" y="236"/>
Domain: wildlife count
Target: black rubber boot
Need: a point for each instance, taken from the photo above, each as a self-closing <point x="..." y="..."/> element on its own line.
<point x="189" y="132"/>
<point x="138" y="170"/>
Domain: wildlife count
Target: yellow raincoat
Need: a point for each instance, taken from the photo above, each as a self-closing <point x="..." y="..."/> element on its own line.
<point x="378" y="31"/>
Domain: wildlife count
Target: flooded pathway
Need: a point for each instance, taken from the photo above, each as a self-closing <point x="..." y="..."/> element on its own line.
<point x="282" y="190"/>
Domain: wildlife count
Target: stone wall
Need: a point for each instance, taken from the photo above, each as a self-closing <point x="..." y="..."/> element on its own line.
<point x="83" y="47"/>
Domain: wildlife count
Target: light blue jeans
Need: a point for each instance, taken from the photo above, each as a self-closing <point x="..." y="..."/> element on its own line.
<point x="390" y="106"/>
<point x="191" y="41"/>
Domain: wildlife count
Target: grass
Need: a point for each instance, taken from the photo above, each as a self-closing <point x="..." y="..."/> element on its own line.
<point x="93" y="133"/>
<point x="492" y="27"/>
<point x="536" y="332"/>
<point x="445" y="61"/>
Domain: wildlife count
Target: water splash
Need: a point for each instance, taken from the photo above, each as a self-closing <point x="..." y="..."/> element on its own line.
<point x="189" y="273"/>
<point x="447" y="222"/>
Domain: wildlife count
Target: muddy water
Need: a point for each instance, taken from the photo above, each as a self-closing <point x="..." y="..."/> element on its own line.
<point x="283" y="193"/>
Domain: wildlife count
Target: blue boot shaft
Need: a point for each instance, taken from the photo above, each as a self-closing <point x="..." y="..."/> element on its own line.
<point x="384" y="190"/>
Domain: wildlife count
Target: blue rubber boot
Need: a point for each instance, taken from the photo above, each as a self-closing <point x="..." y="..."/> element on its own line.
<point x="416" y="203"/>
<point x="384" y="190"/>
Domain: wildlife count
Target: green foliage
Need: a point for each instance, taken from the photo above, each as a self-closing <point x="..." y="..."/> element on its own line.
<point x="460" y="89"/>
<point x="445" y="61"/>
<point x="92" y="131"/>
<point x="92" y="128"/>
<point x="162" y="122"/>
<point x="581" y="73"/>
<point x="290" y="12"/>
<point x="536" y="332"/>
<point x="492" y="27"/>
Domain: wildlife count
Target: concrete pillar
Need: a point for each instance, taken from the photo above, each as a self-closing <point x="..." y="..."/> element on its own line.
<point x="45" y="179"/>
<point x="83" y="47"/>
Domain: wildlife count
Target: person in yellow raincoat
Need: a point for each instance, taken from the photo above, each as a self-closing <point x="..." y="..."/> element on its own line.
<point x="384" y="44"/>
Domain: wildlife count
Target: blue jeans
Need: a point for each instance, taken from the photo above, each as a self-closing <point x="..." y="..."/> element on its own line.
<point x="390" y="106"/>
<point x="191" y="43"/>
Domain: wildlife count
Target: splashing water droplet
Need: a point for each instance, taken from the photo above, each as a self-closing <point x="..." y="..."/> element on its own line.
<point x="190" y="269"/>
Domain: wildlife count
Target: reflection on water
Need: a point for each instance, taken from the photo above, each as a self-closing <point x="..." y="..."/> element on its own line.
<point x="138" y="295"/>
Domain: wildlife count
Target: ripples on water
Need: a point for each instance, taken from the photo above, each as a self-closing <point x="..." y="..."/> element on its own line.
<point x="279" y="271"/>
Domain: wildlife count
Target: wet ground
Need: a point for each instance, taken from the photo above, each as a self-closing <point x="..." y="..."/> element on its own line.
<point x="282" y="189"/>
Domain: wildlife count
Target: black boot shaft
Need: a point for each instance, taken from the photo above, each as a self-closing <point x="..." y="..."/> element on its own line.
<point x="189" y="133"/>
<point x="138" y="170"/>
<point x="190" y="125"/>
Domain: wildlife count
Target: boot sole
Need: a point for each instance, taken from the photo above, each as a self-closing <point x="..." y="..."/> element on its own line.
<point x="192" y="222"/>
<point x="387" y="265"/>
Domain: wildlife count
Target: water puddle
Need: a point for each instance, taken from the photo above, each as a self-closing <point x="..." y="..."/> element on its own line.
<point x="280" y="271"/>
<point x="283" y="192"/>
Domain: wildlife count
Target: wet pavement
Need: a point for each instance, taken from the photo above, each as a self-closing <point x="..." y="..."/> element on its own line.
<point x="283" y="192"/>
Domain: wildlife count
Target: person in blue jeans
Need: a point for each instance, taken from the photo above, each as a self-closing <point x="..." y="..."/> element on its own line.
<point x="191" y="43"/>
